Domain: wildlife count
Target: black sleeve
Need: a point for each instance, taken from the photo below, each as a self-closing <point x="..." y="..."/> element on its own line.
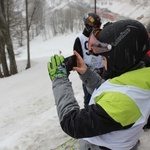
<point x="89" y="122"/>
<point x="77" y="46"/>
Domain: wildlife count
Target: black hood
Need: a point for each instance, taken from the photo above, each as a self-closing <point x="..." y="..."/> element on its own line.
<point x="129" y="40"/>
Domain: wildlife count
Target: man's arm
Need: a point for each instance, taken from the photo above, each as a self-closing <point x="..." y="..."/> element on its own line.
<point x="91" y="80"/>
<point x="76" y="122"/>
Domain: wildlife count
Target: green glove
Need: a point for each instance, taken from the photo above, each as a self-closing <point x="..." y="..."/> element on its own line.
<point x="56" y="67"/>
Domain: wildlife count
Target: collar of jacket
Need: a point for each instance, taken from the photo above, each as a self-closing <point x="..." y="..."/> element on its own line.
<point x="138" y="66"/>
<point x="86" y="33"/>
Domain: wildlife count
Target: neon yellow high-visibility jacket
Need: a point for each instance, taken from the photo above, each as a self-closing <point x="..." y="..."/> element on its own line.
<point x="117" y="113"/>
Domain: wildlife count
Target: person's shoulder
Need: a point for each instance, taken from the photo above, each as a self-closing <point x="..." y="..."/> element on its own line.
<point x="80" y="36"/>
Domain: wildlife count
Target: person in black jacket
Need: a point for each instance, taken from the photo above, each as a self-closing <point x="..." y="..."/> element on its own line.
<point x="91" y="21"/>
<point x="119" y="107"/>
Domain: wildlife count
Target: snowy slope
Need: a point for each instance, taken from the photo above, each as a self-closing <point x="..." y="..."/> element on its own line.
<point x="27" y="110"/>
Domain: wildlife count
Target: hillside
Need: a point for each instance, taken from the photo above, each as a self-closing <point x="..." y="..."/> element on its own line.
<point x="28" y="113"/>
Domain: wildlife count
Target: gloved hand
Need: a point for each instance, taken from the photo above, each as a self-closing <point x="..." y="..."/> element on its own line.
<point x="56" y="67"/>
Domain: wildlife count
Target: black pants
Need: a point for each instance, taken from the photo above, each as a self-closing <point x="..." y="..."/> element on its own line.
<point x="87" y="96"/>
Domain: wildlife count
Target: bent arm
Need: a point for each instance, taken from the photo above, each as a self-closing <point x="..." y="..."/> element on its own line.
<point x="76" y="122"/>
<point x="91" y="79"/>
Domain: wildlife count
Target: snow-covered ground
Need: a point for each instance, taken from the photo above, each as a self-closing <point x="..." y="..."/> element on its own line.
<point x="28" y="117"/>
<point x="27" y="111"/>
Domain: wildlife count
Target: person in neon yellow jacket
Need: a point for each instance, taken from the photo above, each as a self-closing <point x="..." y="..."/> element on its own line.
<point x="120" y="106"/>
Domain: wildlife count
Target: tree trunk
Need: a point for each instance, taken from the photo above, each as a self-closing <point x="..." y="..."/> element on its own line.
<point x="3" y="56"/>
<point x="2" y="41"/>
<point x="28" y="37"/>
<point x="5" y="40"/>
<point x="1" y="75"/>
<point x="13" y="66"/>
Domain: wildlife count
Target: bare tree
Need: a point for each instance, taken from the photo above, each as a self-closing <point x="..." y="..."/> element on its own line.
<point x="9" y="44"/>
<point x="6" y="42"/>
<point x="17" y="23"/>
<point x="33" y="9"/>
<point x="28" y="37"/>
